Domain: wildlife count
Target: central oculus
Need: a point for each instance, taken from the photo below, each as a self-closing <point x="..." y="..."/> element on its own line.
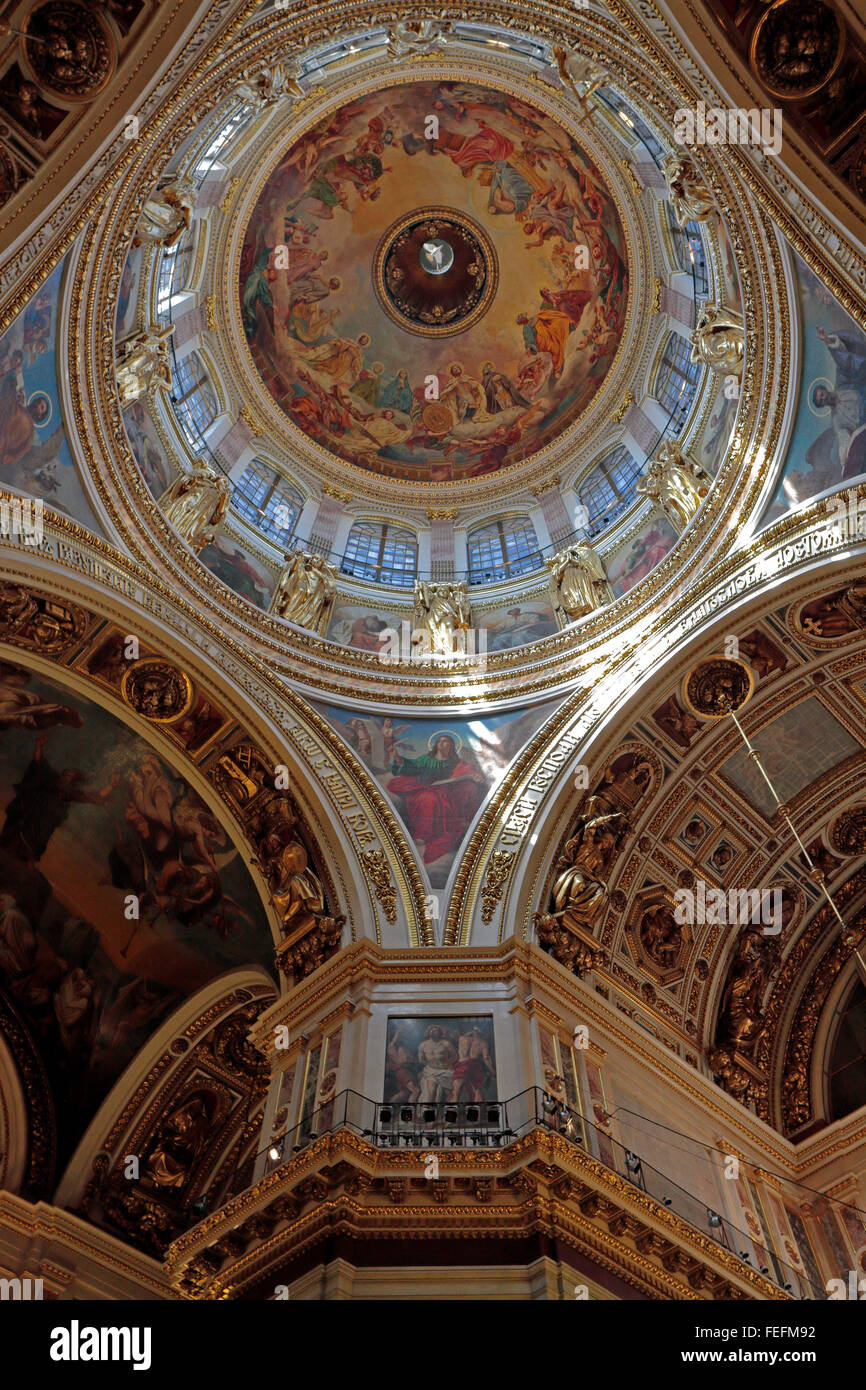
<point x="435" y="271"/>
<point x="436" y="256"/>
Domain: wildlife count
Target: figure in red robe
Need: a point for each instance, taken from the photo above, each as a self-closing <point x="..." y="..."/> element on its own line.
<point x="441" y="793"/>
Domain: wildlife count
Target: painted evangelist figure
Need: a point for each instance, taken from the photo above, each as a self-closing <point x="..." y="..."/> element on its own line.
<point x="361" y="386"/>
<point x="437" y="776"/>
<point x="828" y="442"/>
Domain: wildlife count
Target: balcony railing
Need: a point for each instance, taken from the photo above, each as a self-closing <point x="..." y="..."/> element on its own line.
<point x="495" y="1124"/>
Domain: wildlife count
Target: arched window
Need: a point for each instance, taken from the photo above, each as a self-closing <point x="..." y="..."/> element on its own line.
<point x="608" y="489"/>
<point x="194" y="399"/>
<point x="237" y="117"/>
<point x="676" y="379"/>
<point x="688" y="247"/>
<point x="383" y="553"/>
<point x="847" y="1065"/>
<point x="266" y="499"/>
<point x="501" y="549"/>
<point x="175" y="266"/>
<point x="632" y="121"/>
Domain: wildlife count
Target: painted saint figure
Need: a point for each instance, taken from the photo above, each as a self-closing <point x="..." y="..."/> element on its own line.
<point x="441" y="791"/>
<point x="437" y="1057"/>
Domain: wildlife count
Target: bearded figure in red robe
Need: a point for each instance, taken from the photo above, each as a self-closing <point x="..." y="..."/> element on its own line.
<point x="441" y="793"/>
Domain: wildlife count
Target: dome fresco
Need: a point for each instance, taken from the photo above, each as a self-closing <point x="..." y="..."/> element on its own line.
<point x="434" y="365"/>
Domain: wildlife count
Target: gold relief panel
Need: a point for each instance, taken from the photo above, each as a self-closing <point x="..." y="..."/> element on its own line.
<point x="157" y="690"/>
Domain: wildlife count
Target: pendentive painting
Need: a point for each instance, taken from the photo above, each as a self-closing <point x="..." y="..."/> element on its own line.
<point x="440" y="1059"/>
<point x="90" y="818"/>
<point x="34" y="452"/>
<point x="437" y="773"/>
<point x="828" y="441"/>
<point x="434" y="281"/>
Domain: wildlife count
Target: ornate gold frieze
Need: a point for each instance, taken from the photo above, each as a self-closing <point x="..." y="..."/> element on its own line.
<point x="626" y="402"/>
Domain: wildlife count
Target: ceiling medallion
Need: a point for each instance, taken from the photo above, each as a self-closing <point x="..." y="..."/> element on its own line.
<point x="435" y="271"/>
<point x="796" y="47"/>
<point x="716" y="687"/>
<point x="157" y="690"/>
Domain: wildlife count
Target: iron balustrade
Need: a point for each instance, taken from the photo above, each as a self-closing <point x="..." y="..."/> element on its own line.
<point x="426" y="1126"/>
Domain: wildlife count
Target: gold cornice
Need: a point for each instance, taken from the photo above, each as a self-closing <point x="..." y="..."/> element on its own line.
<point x="336" y="492"/>
<point x="623" y="408"/>
<point x="249" y="417"/>
<point x="59" y="1229"/>
<point x="551" y="1166"/>
<point x="232" y="187"/>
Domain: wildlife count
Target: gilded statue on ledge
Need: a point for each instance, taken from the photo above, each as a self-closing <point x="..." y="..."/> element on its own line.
<point x="676" y="483"/>
<point x="582" y="75"/>
<point x="578" y="582"/>
<point x="266" y="86"/>
<point x="306" y="592"/>
<point x="167" y="214"/>
<point x="142" y="364"/>
<point x="441" y="610"/>
<point x="719" y="340"/>
<point x="180" y="1139"/>
<point x="415" y="37"/>
<point x="295" y="890"/>
<point x="741" y="1020"/>
<point x="689" y="196"/>
<point x="579" y="890"/>
<point x="196" y="503"/>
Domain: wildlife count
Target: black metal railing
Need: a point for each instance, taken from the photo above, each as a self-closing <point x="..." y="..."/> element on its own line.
<point x="448" y="1125"/>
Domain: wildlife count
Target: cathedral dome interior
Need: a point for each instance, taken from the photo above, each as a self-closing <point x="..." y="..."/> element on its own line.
<point x="433" y="670"/>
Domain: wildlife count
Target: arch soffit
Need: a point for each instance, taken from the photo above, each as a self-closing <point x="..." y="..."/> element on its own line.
<point x="345" y="814"/>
